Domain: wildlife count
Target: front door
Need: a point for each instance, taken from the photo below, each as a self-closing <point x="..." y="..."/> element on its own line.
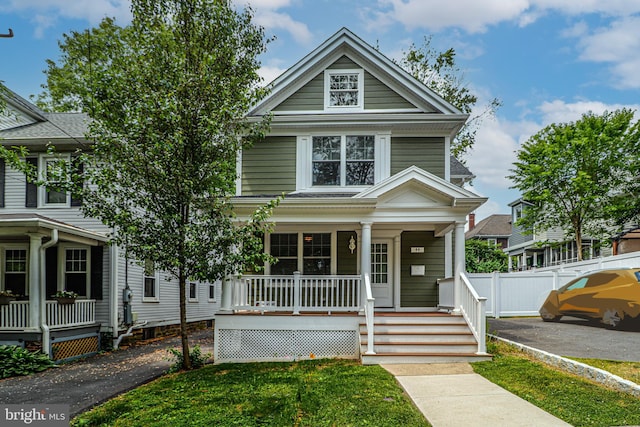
<point x="381" y="274"/>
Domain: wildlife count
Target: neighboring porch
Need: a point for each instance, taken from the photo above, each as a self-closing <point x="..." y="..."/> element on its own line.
<point x="41" y="256"/>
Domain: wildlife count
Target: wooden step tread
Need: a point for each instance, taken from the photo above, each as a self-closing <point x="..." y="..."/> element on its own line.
<point x="428" y="354"/>
<point x="428" y="333"/>
<point x="427" y="343"/>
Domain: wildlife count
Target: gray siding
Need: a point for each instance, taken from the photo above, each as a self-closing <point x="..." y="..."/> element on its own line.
<point x="421" y="291"/>
<point x="426" y="153"/>
<point x="269" y="167"/>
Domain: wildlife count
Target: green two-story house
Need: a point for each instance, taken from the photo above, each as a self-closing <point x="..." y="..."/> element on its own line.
<point x="373" y="213"/>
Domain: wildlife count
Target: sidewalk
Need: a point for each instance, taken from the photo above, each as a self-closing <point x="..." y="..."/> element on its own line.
<point x="452" y="395"/>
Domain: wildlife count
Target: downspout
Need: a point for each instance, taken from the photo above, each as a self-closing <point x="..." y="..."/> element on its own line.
<point x="43" y="307"/>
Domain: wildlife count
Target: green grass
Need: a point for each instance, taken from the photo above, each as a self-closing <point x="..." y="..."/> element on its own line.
<point x="571" y="398"/>
<point x="310" y="393"/>
<point x="627" y="370"/>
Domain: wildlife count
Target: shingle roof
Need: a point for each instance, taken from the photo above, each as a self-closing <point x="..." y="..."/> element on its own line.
<point x="55" y="126"/>
<point x="498" y="225"/>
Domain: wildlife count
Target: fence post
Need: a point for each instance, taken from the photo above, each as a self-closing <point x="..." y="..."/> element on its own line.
<point x="297" y="292"/>
<point x="495" y="292"/>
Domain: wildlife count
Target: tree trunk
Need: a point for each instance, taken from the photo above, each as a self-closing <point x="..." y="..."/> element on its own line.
<point x="579" y="243"/>
<point x="186" y="364"/>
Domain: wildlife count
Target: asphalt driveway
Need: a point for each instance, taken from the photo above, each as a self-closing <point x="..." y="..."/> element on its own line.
<point x="570" y="337"/>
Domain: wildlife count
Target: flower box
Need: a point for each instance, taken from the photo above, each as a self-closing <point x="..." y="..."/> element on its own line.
<point x="6" y="299"/>
<point x="65" y="300"/>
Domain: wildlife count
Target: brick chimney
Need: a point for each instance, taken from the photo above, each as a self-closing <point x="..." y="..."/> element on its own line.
<point x="472" y="221"/>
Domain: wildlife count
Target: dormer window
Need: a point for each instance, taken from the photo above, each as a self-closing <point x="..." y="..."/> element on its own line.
<point x="344" y="89"/>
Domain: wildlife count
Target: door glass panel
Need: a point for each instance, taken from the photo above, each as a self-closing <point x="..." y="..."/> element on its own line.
<point x="379" y="263"/>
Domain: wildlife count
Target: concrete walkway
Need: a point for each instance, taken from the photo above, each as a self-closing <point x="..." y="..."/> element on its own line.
<point x="452" y="395"/>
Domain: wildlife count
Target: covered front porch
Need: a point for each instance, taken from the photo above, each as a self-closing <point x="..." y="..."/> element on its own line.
<point x="344" y="261"/>
<point x="41" y="256"/>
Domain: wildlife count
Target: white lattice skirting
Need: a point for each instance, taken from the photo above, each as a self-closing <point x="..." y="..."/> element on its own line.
<point x="259" y="345"/>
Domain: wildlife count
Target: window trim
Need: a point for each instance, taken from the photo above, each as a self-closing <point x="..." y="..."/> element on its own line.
<point x="195" y="287"/>
<point x="333" y="263"/>
<point x="62" y="267"/>
<point x="156" y="286"/>
<point x="212" y="286"/>
<point x="42" y="174"/>
<point x="304" y="161"/>
<point x="328" y="73"/>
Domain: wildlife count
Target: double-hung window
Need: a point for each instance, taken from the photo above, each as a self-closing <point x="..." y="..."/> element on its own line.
<point x="15" y="271"/>
<point x="76" y="272"/>
<point x="53" y="171"/>
<point x="346" y="160"/>
<point x="344" y="89"/>
<point x="284" y="246"/>
<point x="151" y="282"/>
<point x="316" y="252"/>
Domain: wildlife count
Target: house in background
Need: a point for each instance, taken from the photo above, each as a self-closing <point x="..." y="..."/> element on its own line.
<point x="544" y="248"/>
<point x="372" y="219"/>
<point x="627" y="241"/>
<point x="47" y="245"/>
<point x="494" y="229"/>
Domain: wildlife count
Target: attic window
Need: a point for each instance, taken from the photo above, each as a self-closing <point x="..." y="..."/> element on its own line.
<point x="344" y="89"/>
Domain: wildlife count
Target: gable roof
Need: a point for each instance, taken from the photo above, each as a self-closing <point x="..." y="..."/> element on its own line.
<point x="346" y="43"/>
<point x="24" y="122"/>
<point x="457" y="196"/>
<point x="498" y="225"/>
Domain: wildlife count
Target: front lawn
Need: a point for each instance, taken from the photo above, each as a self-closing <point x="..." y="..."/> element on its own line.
<point x="310" y="393"/>
<point x="573" y="399"/>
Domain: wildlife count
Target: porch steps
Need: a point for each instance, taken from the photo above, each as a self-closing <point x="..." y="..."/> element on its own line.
<point x="419" y="338"/>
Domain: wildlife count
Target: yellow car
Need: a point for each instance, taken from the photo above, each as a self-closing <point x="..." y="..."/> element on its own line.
<point x="610" y="296"/>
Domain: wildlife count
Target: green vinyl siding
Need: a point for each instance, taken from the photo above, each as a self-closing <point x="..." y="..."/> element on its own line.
<point x="378" y="96"/>
<point x="269" y="167"/>
<point x="426" y="153"/>
<point x="421" y="291"/>
<point x="347" y="262"/>
<point x="310" y="97"/>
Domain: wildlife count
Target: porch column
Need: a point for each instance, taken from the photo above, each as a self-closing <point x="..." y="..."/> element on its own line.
<point x="226" y="294"/>
<point x="365" y="260"/>
<point x="459" y="265"/>
<point x="36" y="294"/>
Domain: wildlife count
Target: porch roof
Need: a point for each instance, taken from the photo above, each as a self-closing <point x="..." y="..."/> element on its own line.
<point x="21" y="223"/>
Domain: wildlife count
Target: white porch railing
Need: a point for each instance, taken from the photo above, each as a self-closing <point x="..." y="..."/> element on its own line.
<point x="473" y="310"/>
<point x="369" y="313"/>
<point x="15" y="315"/>
<point x="297" y="293"/>
<point x="80" y="312"/>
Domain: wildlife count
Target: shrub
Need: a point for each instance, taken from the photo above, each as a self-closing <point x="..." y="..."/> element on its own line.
<point x="197" y="358"/>
<point x="15" y="361"/>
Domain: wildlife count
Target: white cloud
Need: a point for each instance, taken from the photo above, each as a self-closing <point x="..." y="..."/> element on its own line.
<point x="475" y="16"/>
<point x="269" y="73"/>
<point x="558" y="111"/>
<point x="267" y="15"/>
<point x="471" y="15"/>
<point x="45" y="13"/>
<point x="618" y="44"/>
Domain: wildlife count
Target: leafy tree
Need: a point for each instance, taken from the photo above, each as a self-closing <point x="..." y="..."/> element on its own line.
<point x="168" y="97"/>
<point x="581" y="176"/>
<point x="484" y="257"/>
<point x="84" y="57"/>
<point x="439" y="71"/>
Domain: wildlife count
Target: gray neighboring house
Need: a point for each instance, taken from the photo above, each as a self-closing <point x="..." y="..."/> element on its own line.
<point x="544" y="248"/>
<point x="48" y="245"/>
<point x="495" y="229"/>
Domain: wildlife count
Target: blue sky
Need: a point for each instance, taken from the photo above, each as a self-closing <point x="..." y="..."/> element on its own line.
<point x="549" y="61"/>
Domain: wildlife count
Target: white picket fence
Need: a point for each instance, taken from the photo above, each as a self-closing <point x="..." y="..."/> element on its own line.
<point x="522" y="293"/>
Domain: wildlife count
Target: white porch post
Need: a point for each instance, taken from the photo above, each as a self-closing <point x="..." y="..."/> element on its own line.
<point x="365" y="260"/>
<point x="226" y="294"/>
<point x="459" y="265"/>
<point x="36" y="295"/>
<point x="448" y="254"/>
